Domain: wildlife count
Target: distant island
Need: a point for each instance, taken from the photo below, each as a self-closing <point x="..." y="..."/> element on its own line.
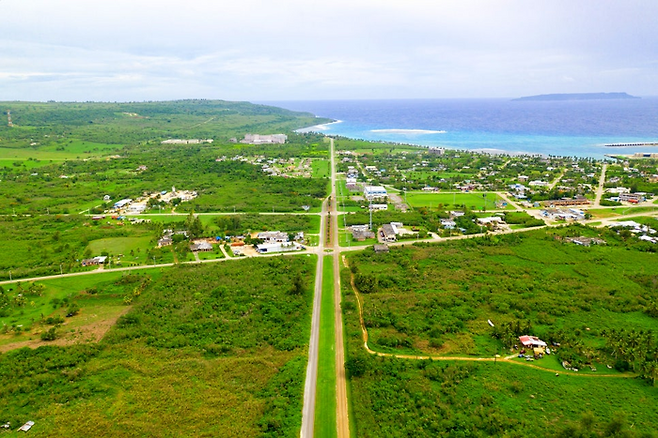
<point x="576" y="96"/>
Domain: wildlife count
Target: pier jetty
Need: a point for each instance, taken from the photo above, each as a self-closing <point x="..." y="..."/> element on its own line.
<point x="631" y="145"/>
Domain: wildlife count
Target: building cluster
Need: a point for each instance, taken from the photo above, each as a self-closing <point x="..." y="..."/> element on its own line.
<point x="139" y="205"/>
<point x="390" y="232"/>
<point x="564" y="214"/>
<point x="623" y="194"/>
<point x="361" y="232"/>
<point x="585" y="241"/>
<point x="264" y="139"/>
<point x="643" y="232"/>
<point x="187" y="141"/>
<point x="351" y="179"/>
<point x="277" y="241"/>
<point x="375" y="193"/>
<point x="451" y="223"/>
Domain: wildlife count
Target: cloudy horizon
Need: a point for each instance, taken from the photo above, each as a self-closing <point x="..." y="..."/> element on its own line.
<point x="118" y="50"/>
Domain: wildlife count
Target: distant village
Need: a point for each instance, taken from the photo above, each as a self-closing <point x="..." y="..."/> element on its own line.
<point x="138" y="205"/>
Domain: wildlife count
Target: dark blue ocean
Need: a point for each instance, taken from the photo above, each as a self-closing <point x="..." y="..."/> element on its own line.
<point x="566" y="128"/>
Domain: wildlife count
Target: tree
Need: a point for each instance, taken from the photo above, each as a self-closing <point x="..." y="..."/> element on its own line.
<point x="356" y="367"/>
<point x="366" y="283"/>
<point x="49" y="335"/>
<point x="297" y="285"/>
<point x="73" y="309"/>
<point x="194" y="226"/>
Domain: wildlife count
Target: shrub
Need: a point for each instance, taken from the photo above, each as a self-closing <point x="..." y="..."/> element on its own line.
<point x="49" y="335"/>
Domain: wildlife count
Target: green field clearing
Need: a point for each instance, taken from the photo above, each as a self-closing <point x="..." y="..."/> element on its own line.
<point x="56" y="295"/>
<point x="120" y="245"/>
<point x="492" y="400"/>
<point x="346" y="240"/>
<point x="27" y="164"/>
<point x="427" y="174"/>
<point x="215" y="254"/>
<point x="320" y="168"/>
<point x="471" y="200"/>
<point x="620" y="211"/>
<point x="49" y="244"/>
<point x="325" y="407"/>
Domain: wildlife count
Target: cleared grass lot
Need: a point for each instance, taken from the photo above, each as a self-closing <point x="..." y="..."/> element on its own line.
<point x="474" y="201"/>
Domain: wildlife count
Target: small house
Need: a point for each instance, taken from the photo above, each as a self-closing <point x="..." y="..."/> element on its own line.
<point x="98" y="260"/>
<point x="388" y="233"/>
<point x="165" y="241"/>
<point x="201" y="246"/>
<point x="532" y="342"/>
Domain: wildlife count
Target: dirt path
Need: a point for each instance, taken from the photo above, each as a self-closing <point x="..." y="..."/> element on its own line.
<point x="509" y="200"/>
<point x="555" y="181"/>
<point x="93" y="332"/>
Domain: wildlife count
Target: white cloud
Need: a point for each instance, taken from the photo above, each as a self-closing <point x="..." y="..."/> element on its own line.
<point x="295" y="49"/>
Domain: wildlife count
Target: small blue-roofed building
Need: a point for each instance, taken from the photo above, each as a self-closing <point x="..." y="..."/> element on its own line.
<point x="122" y="203"/>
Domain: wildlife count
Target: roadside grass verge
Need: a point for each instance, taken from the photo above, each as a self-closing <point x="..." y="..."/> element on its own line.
<point x="325" y="406"/>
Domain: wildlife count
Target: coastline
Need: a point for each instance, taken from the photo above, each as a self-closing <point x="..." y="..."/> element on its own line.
<point x="318" y="128"/>
<point x="568" y="129"/>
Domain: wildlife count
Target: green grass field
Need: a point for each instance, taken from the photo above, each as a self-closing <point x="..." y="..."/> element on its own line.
<point x="118" y="245"/>
<point x="346" y="240"/>
<point x="471" y="200"/>
<point x="325" y="404"/>
<point x="320" y="168"/>
<point x="215" y="254"/>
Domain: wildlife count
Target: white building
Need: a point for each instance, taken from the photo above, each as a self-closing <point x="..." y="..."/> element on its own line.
<point x="122" y="203"/>
<point x="265" y="139"/>
<point x="374" y="192"/>
<point x="271" y="237"/>
<point x="278" y="247"/>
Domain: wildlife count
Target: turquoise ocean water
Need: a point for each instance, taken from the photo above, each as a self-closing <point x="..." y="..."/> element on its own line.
<point x="566" y="128"/>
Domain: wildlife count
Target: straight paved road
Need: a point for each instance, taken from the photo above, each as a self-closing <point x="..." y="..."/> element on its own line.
<point x="599" y="189"/>
<point x="310" y="384"/>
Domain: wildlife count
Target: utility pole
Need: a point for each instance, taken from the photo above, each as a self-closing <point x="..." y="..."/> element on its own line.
<point x="370" y="208"/>
<point x="60" y="269"/>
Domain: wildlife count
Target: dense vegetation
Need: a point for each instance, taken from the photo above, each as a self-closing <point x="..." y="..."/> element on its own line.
<point x="48" y="245"/>
<point x="131" y="123"/>
<point x="222" y="186"/>
<point x="539" y="278"/>
<point x="598" y="302"/>
<point x="206" y="350"/>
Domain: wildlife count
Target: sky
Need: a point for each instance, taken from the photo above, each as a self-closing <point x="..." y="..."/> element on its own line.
<point x="120" y="50"/>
